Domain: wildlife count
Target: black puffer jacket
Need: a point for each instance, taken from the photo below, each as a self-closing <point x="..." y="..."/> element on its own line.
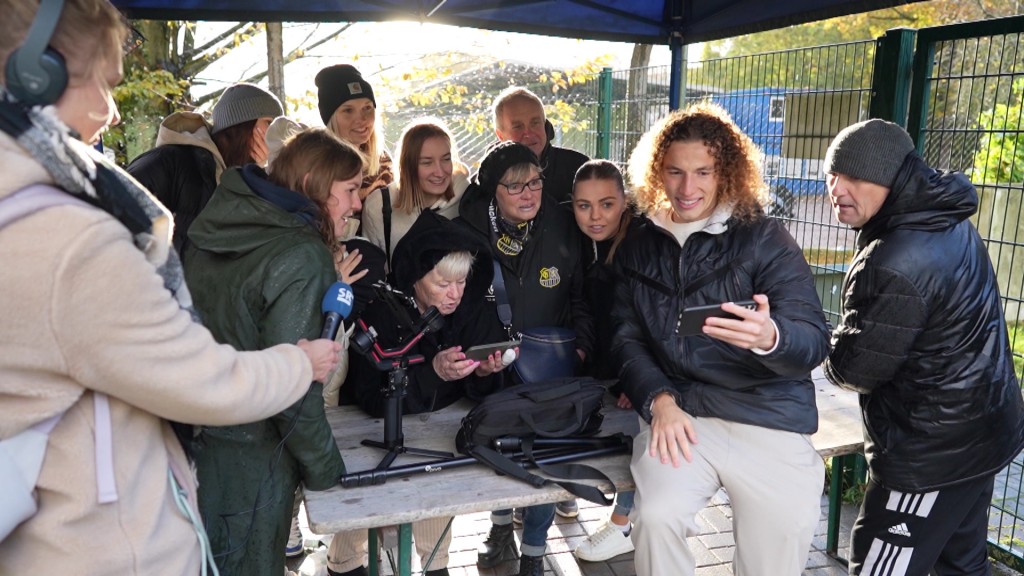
<point x="709" y="377"/>
<point x="924" y="341"/>
<point x="545" y="282"/>
<point x="183" y="178"/>
<point x="474" y="321"/>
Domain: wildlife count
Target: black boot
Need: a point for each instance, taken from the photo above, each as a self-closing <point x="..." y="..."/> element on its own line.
<point x="438" y="572"/>
<point x="498" y="547"/>
<point x="531" y="565"/>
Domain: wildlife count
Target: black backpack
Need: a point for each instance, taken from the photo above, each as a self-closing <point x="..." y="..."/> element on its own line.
<point x="542" y="424"/>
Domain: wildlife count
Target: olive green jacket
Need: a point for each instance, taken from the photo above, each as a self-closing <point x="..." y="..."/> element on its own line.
<point x="257" y="274"/>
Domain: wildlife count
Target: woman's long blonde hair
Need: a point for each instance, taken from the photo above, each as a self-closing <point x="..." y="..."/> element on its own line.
<point x="372" y="149"/>
<point x="737" y="160"/>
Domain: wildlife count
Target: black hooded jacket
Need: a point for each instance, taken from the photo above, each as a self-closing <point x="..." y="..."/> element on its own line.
<point x="474" y="322"/>
<point x="923" y="339"/>
<point x="706" y="376"/>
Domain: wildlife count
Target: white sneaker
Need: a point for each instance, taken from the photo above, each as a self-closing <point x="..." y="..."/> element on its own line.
<point x="605" y="544"/>
<point x="294" y="548"/>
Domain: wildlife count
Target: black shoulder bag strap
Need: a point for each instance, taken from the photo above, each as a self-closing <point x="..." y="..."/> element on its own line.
<point x="385" y="196"/>
<point x="702" y="281"/>
<point x="501" y="463"/>
<point x="501" y="298"/>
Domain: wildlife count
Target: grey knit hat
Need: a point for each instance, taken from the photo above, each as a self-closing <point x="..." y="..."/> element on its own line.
<point x="243" y="102"/>
<point x="872" y="150"/>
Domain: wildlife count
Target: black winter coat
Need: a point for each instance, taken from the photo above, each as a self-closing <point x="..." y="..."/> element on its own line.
<point x="182" y="178"/>
<point x="923" y="339"/>
<point x="474" y="321"/>
<point x="708" y="377"/>
<point x="559" y="166"/>
<point x="545" y="282"/>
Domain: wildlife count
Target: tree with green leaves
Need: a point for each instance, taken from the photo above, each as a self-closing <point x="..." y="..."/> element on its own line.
<point x="1000" y="155"/>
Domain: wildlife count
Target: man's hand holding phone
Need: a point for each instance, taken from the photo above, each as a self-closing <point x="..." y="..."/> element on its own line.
<point x="747" y="329"/>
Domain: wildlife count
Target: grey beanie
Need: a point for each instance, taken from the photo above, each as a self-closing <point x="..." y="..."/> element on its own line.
<point x="872" y="150"/>
<point x="243" y="102"/>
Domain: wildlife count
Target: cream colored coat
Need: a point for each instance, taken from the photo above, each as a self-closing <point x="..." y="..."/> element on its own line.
<point x="401" y="222"/>
<point x="83" y="310"/>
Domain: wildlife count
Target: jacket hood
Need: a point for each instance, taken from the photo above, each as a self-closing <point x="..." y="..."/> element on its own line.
<point x="189" y="129"/>
<point x="430" y="239"/>
<point x="239" y="219"/>
<point x="923" y="198"/>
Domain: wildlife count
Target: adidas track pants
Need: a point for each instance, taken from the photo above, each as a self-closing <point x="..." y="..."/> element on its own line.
<point x="904" y="534"/>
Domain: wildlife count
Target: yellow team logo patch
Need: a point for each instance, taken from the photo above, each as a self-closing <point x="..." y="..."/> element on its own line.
<point x="549" y="277"/>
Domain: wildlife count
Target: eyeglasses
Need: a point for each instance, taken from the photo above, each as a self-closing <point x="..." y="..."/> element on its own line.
<point x="515" y="188"/>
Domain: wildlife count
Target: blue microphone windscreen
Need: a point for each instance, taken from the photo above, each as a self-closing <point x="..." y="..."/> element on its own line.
<point x="338" y="299"/>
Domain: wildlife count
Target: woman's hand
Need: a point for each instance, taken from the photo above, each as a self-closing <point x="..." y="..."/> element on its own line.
<point x="345" y="262"/>
<point x="494" y="363"/>
<point x="623" y="401"/>
<point x="322" y="354"/>
<point x="754" y="329"/>
<point x="671" y="431"/>
<point x="452" y="364"/>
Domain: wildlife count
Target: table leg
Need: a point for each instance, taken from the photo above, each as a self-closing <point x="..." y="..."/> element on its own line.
<point x="405" y="550"/>
<point x="373" y="556"/>
<point x="835" y="506"/>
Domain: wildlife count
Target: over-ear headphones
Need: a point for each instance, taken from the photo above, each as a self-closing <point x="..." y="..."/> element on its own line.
<point x="35" y="73"/>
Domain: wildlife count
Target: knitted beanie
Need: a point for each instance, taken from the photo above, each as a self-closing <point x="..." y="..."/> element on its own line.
<point x="872" y="150"/>
<point x="499" y="158"/>
<point x="243" y="102"/>
<point x="337" y="85"/>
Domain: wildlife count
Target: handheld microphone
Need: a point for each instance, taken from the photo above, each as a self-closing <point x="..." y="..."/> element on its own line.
<point x="336" y="306"/>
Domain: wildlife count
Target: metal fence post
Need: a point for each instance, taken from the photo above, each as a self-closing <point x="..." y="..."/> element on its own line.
<point x="604" y="113"/>
<point x="890" y="84"/>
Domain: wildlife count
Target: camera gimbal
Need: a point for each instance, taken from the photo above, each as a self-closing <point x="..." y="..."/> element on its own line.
<point x="396" y="362"/>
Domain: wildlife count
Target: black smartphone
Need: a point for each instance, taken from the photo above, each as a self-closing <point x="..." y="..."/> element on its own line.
<point x="482" y="351"/>
<point x="691" y="321"/>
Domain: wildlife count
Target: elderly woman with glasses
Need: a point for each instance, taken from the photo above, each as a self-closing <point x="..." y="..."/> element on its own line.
<point x="537" y="247"/>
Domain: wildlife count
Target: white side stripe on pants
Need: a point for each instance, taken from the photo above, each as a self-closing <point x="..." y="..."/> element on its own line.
<point x="916" y="504"/>
<point x="886" y="559"/>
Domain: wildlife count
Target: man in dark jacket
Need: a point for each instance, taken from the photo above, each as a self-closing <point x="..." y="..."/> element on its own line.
<point x="730" y="406"/>
<point x="923" y="340"/>
<point x="519" y="117"/>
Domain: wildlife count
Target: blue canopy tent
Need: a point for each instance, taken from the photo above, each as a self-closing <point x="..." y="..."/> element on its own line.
<point x="672" y="22"/>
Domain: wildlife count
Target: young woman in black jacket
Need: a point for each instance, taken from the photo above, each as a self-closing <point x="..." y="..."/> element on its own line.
<point x="605" y="217"/>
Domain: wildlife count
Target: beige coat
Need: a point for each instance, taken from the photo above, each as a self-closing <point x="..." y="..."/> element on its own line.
<point x="401" y="222"/>
<point x="84" y="310"/>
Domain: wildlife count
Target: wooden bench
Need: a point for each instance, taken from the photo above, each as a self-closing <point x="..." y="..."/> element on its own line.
<point x="475" y="488"/>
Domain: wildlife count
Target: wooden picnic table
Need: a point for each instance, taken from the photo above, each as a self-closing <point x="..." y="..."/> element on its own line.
<point x="476" y="488"/>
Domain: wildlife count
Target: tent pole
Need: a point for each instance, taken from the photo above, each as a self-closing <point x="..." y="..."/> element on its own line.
<point x="677" y="73"/>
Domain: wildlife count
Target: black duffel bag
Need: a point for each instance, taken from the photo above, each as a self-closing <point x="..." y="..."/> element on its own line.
<point x="528" y="417"/>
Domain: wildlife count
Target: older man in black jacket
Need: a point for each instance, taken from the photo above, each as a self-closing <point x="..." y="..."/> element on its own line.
<point x="923" y="340"/>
